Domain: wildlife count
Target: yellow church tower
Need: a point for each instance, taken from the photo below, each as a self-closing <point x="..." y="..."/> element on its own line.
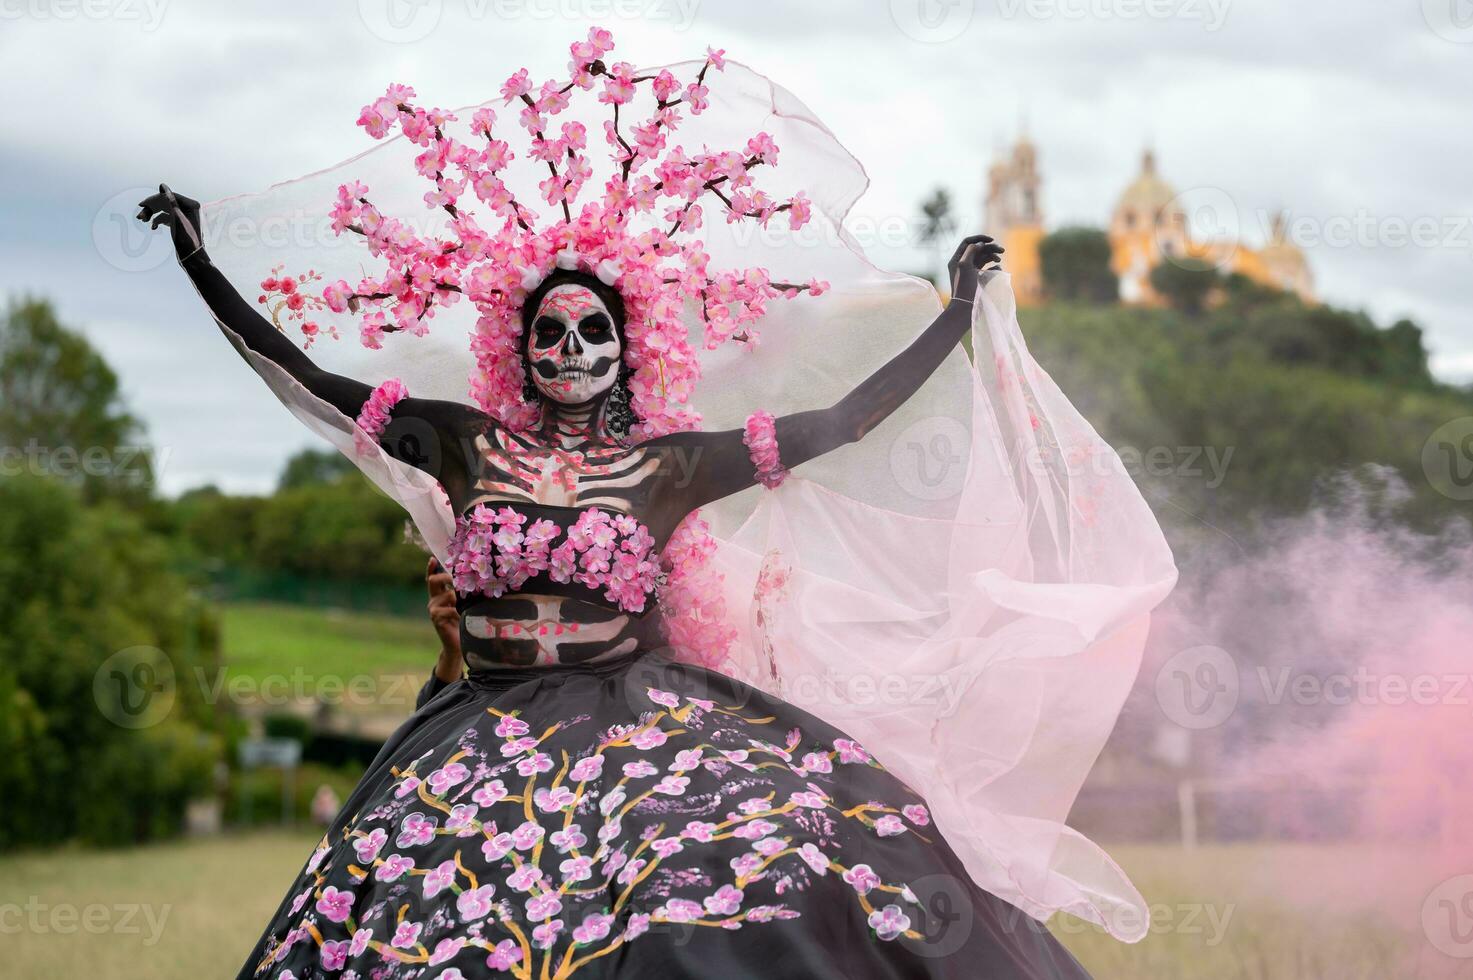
<point x="1014" y="216"/>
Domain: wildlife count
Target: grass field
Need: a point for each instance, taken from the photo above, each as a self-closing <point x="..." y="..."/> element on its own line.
<point x="1221" y="913"/>
<point x="367" y="662"/>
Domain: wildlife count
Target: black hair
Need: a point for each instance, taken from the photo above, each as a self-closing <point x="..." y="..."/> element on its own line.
<point x="619" y="412"/>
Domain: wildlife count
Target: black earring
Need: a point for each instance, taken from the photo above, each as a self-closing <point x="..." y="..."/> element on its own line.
<point x="619" y="413"/>
<point x="530" y="394"/>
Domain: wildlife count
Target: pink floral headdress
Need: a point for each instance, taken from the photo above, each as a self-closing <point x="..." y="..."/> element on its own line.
<point x="639" y="236"/>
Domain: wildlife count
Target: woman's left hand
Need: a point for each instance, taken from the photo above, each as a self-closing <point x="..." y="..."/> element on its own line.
<point x="975" y="253"/>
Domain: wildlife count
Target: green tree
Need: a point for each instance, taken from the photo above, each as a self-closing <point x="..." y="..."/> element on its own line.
<point x="1185" y="283"/>
<point x="88" y="603"/>
<point x="61" y="410"/>
<point x="312" y="467"/>
<point x="1075" y="264"/>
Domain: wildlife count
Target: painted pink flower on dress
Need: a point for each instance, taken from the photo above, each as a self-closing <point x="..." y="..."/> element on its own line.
<point x="850" y="751"/>
<point x="506" y="955"/>
<point x="368" y="846"/>
<point x="569" y="839"/>
<point x="334" y="955"/>
<point x="809" y="799"/>
<point x="916" y="814"/>
<point x="527" y="835"/>
<point x="525" y="878"/>
<point x="577" y="868"/>
<point x="417" y="829"/>
<point x="394" y="867"/>
<point x="511" y="727"/>
<point x="518" y="746"/>
<point x="650" y="738"/>
<point x="768" y="846"/>
<point x="753" y="829"/>
<point x="631" y="871"/>
<point x="335" y="905"/>
<point x="672" y="785"/>
<point x="443" y="779"/>
<point x="587" y="768"/>
<point x="817" y="762"/>
<point x="546" y="934"/>
<point x="699" y="830"/>
<point x="664" y="698"/>
<point x="889" y="922"/>
<point x="533" y="764"/>
<point x="553" y="800"/>
<point x="726" y="901"/>
<point x="439" y="879"/>
<point x="889" y="826"/>
<point x="544" y="906"/>
<point x="862" y="878"/>
<point x="360" y="941"/>
<point x="637" y="926"/>
<point x="475" y="903"/>
<point x="407" y="934"/>
<point x="462" y="819"/>
<point x="446" y="950"/>
<point x="594" y="928"/>
<point x="685" y="760"/>
<point x="814" y="857"/>
<point x="667" y="846"/>
<point x="681" y="910"/>
<point x="497" y="847"/>
<point x="490" y="794"/>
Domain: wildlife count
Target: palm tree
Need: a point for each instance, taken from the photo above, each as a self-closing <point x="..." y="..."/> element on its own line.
<point x="937" y="225"/>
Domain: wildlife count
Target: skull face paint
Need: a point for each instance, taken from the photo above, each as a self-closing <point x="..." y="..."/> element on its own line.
<point x="573" y="348"/>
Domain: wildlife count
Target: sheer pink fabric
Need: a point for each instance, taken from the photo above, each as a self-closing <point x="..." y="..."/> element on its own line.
<point x="966" y="591"/>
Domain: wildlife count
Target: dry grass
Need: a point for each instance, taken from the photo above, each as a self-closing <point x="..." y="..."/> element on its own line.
<point x="1261" y="912"/>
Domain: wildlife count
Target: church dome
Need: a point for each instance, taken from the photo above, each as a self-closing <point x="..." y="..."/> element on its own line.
<point x="1148" y="195"/>
<point x="1149" y="202"/>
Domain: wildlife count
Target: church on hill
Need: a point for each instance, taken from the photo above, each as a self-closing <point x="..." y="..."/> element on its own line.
<point x="1149" y="225"/>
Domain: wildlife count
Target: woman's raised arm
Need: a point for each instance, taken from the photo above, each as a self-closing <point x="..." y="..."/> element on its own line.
<point x="448" y="424"/>
<point x="720" y="463"/>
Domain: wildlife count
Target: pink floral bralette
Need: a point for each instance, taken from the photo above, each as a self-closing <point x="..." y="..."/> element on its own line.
<point x="496" y="550"/>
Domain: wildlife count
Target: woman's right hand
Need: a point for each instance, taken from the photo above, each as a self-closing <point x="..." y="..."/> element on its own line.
<point x="180" y="213"/>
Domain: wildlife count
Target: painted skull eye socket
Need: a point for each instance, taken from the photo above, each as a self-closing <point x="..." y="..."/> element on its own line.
<point x="547" y="331"/>
<point x="596" y="327"/>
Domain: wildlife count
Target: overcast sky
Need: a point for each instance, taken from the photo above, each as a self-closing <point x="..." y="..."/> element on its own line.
<point x="1356" y="116"/>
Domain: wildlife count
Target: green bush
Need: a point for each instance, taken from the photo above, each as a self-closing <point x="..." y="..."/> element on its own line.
<point x="79" y="584"/>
